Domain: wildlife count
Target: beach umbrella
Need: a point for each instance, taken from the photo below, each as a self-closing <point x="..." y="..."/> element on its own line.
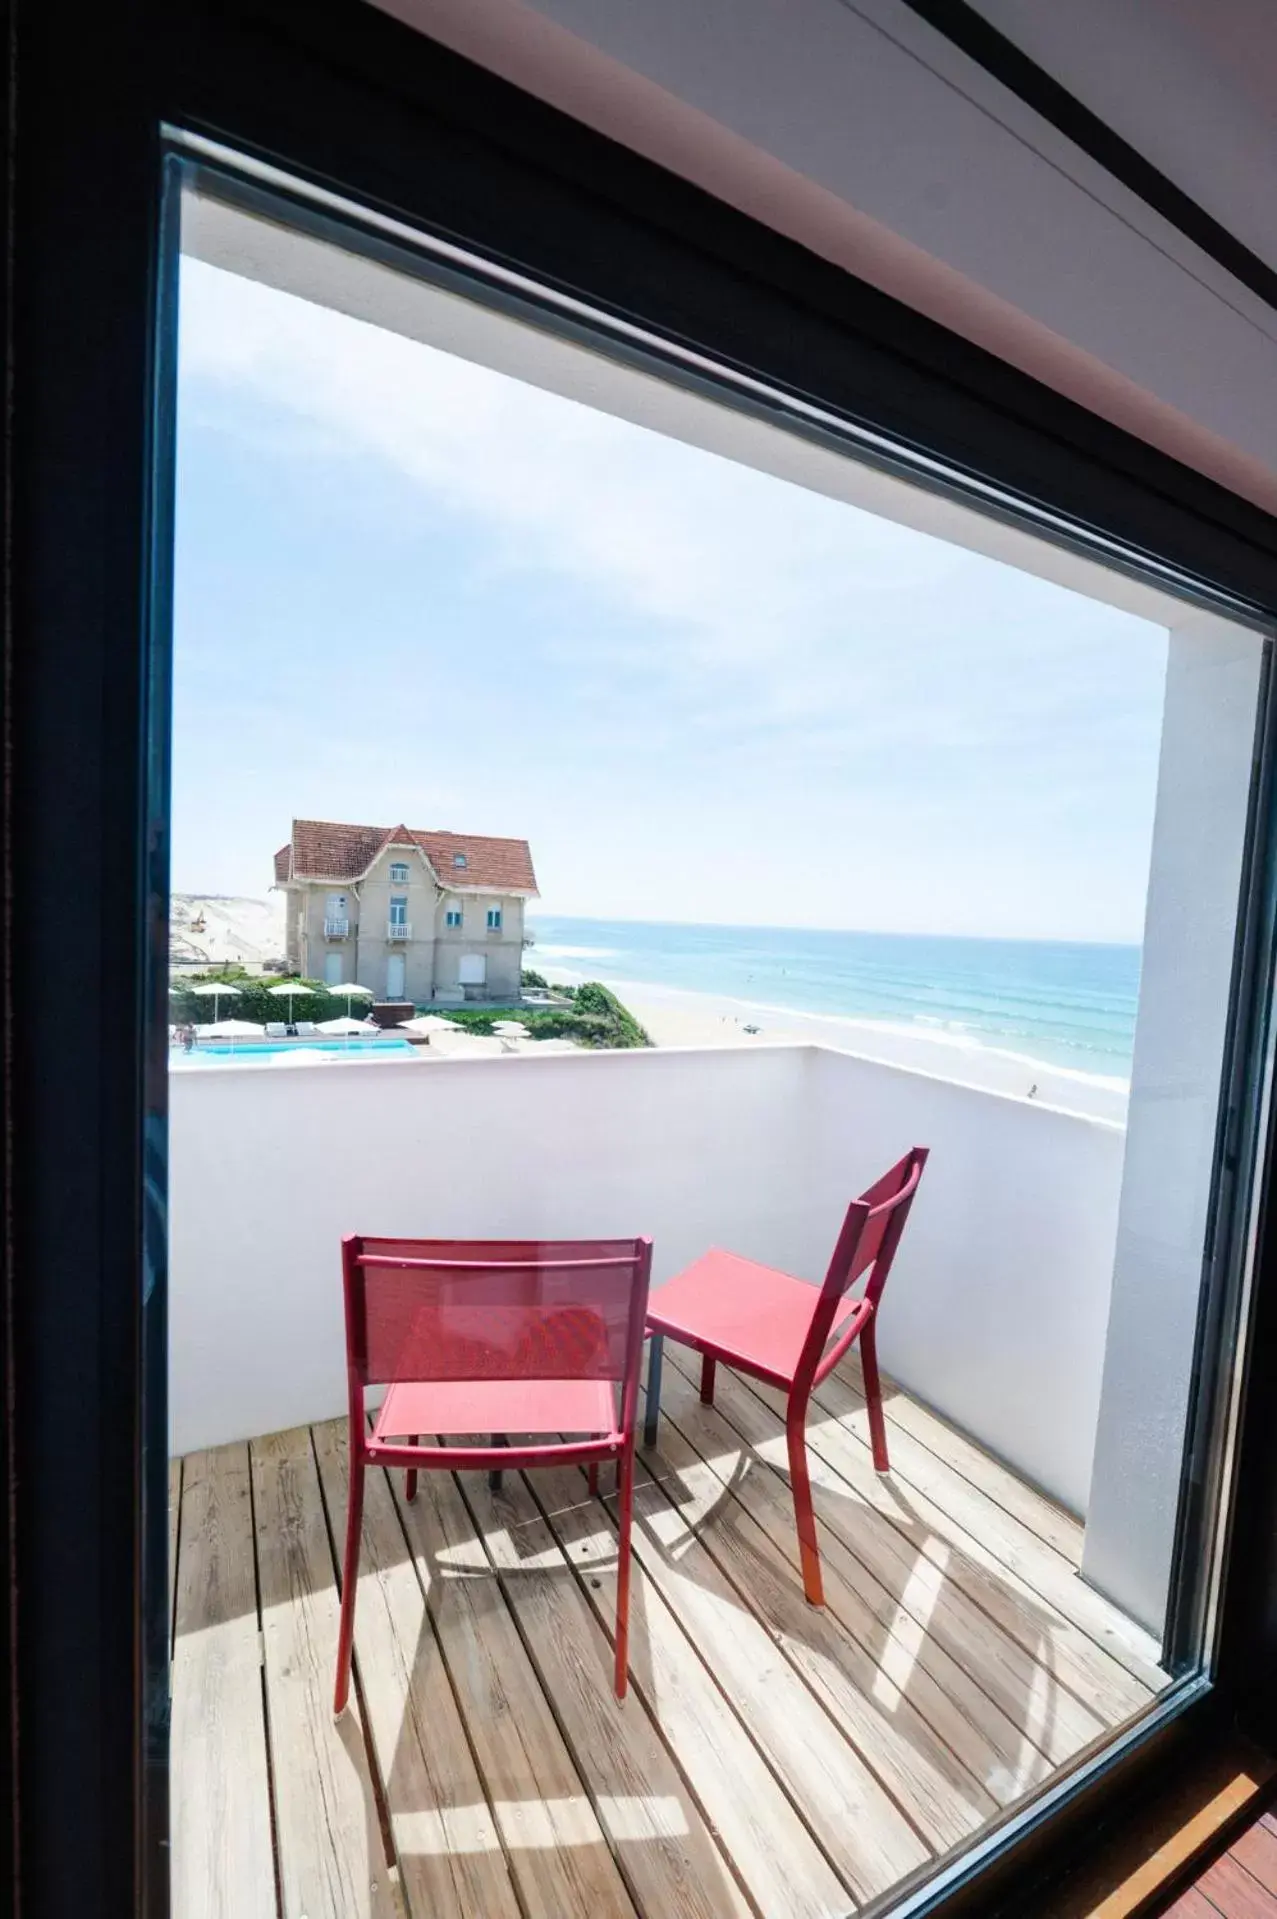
<point x="510" y="1028"/>
<point x="232" y="1029"/>
<point x="349" y="990"/>
<point x="342" y="1028"/>
<point x="288" y="989"/>
<point x="427" y="1024"/>
<point x="215" y="990"/>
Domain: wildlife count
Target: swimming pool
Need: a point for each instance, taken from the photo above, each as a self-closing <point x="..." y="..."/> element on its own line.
<point x="330" y="1047"/>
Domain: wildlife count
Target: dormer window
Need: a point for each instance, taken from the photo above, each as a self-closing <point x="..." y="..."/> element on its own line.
<point x="459" y="859"/>
<point x="398" y="873"/>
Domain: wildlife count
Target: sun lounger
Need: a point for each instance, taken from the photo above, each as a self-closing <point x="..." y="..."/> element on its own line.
<point x="305" y="1029"/>
<point x="276" y="1029"/>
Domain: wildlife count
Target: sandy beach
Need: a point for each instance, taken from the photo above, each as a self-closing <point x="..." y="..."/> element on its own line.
<point x="674" y="1017"/>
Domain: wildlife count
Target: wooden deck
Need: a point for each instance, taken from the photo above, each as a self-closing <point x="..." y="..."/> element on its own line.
<point x="770" y="1758"/>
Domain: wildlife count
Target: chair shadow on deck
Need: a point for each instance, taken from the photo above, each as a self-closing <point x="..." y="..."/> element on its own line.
<point x="519" y="1606"/>
<point x="489" y="1758"/>
<point x="513" y="1778"/>
<point x="943" y="1627"/>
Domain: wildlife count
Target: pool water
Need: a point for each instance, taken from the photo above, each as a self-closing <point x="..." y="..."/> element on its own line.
<point x="259" y="1049"/>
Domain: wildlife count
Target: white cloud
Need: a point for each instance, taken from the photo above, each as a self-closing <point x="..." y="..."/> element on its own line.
<point x="763" y="606"/>
<point x="908" y="733"/>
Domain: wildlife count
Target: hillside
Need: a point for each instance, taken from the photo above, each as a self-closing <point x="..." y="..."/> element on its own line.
<point x="210" y="928"/>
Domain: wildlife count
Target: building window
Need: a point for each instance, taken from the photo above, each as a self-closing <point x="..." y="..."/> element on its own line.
<point x="494" y="919"/>
<point x="459" y="859"/>
<point x="453" y="916"/>
<point x="399" y="909"/>
<point x="398" y="873"/>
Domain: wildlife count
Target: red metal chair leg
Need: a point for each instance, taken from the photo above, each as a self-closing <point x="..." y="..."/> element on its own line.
<point x="410" y="1477"/>
<point x="873" y="1398"/>
<point x="709" y="1366"/>
<point x="625" y="1478"/>
<point x="800" y="1485"/>
<point x="349" y="1582"/>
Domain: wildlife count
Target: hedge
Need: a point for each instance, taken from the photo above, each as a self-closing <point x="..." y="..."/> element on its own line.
<point x="596" y="1018"/>
<point x="252" y="1000"/>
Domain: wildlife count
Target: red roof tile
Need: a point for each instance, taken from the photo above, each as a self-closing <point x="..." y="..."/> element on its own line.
<point x="322" y="849"/>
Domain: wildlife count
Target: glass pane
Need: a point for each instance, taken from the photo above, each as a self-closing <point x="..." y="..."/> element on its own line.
<point x="838" y="886"/>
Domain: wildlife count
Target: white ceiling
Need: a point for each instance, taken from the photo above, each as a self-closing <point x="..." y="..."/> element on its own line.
<point x="1191" y="84"/>
<point x="856" y="129"/>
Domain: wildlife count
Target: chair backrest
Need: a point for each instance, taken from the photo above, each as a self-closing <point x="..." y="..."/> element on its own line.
<point x="866" y="1246"/>
<point x="449" y="1309"/>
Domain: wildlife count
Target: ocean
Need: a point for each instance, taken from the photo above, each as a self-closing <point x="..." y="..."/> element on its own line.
<point x="1061" y="1003"/>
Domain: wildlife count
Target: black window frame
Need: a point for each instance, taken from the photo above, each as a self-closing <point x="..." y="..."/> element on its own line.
<point x="346" y="97"/>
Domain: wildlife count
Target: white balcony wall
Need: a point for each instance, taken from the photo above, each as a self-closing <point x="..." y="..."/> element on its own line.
<point x="996" y="1309"/>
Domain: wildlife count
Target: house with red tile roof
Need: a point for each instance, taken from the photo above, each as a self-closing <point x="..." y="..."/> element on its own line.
<point x="425" y="916"/>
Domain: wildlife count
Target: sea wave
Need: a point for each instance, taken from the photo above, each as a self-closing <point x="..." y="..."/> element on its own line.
<point x="574" y="952"/>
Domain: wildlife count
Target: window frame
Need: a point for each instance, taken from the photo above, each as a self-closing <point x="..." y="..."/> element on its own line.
<point x="495" y="919"/>
<point x="345" y="96"/>
<point x="398" y="873"/>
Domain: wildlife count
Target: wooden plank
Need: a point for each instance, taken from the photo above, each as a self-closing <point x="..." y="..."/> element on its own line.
<point x="174" y="1524"/>
<point x="332" y="1862"/>
<point x="1192" y="1905"/>
<point x="858" y="1824"/>
<point x="451" y="1860"/>
<point x="1035" y="1509"/>
<point x="898" y="1660"/>
<point x="867" y="1695"/>
<point x="1002" y="1536"/>
<point x="785" y="1873"/>
<point x="1078" y="1662"/>
<point x="924" y="1559"/>
<point x="671" y="1860"/>
<point x="1229" y="1886"/>
<point x="222" y="1861"/>
<point x="1257" y="1851"/>
<point x="558" y="1852"/>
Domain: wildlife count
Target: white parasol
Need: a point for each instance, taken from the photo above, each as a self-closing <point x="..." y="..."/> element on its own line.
<point x="289" y="989"/>
<point x="349" y="990"/>
<point x="215" y="990"/>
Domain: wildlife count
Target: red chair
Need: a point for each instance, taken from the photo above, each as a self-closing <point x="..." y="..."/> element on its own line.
<point x="779" y="1329"/>
<point x="497" y="1337"/>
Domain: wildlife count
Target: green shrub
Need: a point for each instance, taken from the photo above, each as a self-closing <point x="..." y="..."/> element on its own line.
<point x="253" y="1000"/>
<point x="596" y="1018"/>
<point x="534" y="979"/>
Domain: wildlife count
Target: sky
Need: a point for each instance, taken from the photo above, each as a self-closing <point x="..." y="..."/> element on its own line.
<point x="409" y="588"/>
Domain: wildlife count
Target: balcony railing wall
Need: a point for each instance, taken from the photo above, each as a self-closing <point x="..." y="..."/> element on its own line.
<point x="997" y="1306"/>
